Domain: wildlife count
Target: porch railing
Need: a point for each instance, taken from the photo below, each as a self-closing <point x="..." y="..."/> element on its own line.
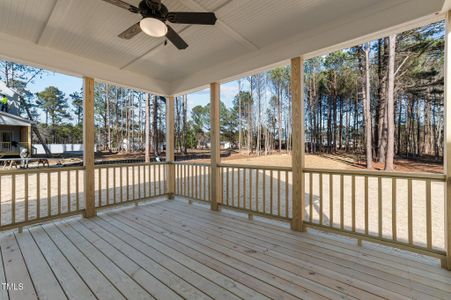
<point x="192" y="180"/>
<point x="257" y="190"/>
<point x="31" y="196"/>
<point x="401" y="209"/>
<point x="7" y="146"/>
<point x="121" y="183"/>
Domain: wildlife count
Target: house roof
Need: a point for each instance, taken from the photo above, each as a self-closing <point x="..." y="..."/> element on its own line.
<point x="13" y="120"/>
<point x="79" y="37"/>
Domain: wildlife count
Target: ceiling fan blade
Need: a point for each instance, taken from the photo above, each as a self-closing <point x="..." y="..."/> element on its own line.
<point x="124" y="5"/>
<point x="130" y="32"/>
<point x="176" y="39"/>
<point x="201" y="18"/>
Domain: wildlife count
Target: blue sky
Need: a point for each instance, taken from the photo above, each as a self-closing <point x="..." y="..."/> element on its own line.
<point x="70" y="84"/>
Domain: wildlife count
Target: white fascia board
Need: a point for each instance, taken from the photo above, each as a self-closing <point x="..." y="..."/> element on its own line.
<point x="26" y="52"/>
<point x="367" y="25"/>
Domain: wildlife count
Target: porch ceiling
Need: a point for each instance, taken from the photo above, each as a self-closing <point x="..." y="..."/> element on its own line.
<point x="80" y="37"/>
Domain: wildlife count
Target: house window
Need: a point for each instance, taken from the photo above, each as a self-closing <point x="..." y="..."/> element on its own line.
<point x="5" y="143"/>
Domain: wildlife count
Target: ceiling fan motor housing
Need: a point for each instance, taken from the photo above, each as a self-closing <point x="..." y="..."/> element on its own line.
<point x="151" y="9"/>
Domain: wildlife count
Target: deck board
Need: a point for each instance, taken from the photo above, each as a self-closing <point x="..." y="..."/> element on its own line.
<point x="386" y="277"/>
<point x="172" y="250"/>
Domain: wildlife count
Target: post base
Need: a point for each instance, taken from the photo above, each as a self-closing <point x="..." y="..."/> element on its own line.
<point x="89" y="215"/>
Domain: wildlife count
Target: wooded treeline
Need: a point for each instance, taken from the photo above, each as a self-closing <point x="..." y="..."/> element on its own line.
<point x="381" y="99"/>
<point x="121" y="115"/>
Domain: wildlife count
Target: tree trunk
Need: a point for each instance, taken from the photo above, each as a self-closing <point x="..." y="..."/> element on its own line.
<point x="367" y="107"/>
<point x="240" y="129"/>
<point x="155" y="126"/>
<point x="390" y="105"/>
<point x="147" y="129"/>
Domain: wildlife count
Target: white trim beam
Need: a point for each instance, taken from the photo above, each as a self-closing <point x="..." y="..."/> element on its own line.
<point x="27" y="52"/>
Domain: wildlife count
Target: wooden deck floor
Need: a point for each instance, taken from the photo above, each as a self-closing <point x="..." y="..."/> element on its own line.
<point x="170" y="250"/>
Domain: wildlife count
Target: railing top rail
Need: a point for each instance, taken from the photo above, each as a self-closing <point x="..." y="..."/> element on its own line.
<point x="255" y="167"/>
<point x="39" y="170"/>
<point x="117" y="165"/>
<point x="435" y="177"/>
<point x="191" y="163"/>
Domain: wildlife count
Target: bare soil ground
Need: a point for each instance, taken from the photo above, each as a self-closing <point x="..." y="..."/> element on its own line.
<point x="276" y="204"/>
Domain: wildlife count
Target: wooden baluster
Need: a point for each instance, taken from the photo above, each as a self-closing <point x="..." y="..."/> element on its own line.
<point x="331" y="200"/>
<point x="366" y="205"/>
<point x="185" y="181"/>
<point x="107" y="187"/>
<point x="179" y="190"/>
<point x="227" y="188"/>
<point x="49" y="198"/>
<point x="379" y="205"/>
<point x="244" y="189"/>
<point x="139" y="182"/>
<point x="205" y="182"/>
<point x="1" y="185"/>
<point x="145" y="180"/>
<point x="197" y="182"/>
<point x="320" y="198"/>
<point x="127" y="173"/>
<point x="250" y="189"/>
<point x="149" y="176"/>
<point x="264" y="191"/>
<point x="311" y="197"/>
<point x="233" y="187"/>
<point x="59" y="192"/>
<point x="239" y="192"/>
<point x="271" y="192"/>
<point x="256" y="189"/>
<point x="428" y="214"/>
<point x="121" y="183"/>
<point x="393" y="209"/>
<point x="99" y="192"/>
<point x="278" y="193"/>
<point x="114" y="186"/>
<point x="286" y="194"/>
<point x="353" y="202"/>
<point x="191" y="169"/>
<point x="159" y="180"/>
<point x="13" y="198"/>
<point x="342" y="205"/>
<point x="133" y="183"/>
<point x="77" y="196"/>
<point x="26" y="196"/>
<point x="410" y="211"/>
<point x="38" y="196"/>
<point x="69" y="204"/>
<point x="154" y="180"/>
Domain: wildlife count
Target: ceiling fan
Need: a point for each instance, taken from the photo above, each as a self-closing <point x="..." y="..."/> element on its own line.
<point x="155" y="15"/>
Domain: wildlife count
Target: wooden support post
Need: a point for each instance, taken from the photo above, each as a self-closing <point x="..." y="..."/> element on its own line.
<point x="88" y="147"/>
<point x="297" y="98"/>
<point x="170" y="146"/>
<point x="215" y="188"/>
<point x="29" y="139"/>
<point x="447" y="156"/>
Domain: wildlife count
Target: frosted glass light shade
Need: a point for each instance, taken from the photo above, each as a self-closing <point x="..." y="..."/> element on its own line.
<point x="153" y="27"/>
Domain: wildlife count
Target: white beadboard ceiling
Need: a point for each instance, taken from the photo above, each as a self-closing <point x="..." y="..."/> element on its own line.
<point x="79" y="37"/>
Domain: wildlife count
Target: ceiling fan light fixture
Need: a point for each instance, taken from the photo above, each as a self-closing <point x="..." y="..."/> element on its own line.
<point x="153" y="27"/>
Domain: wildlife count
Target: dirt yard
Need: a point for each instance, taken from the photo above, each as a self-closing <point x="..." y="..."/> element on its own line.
<point x="247" y="192"/>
